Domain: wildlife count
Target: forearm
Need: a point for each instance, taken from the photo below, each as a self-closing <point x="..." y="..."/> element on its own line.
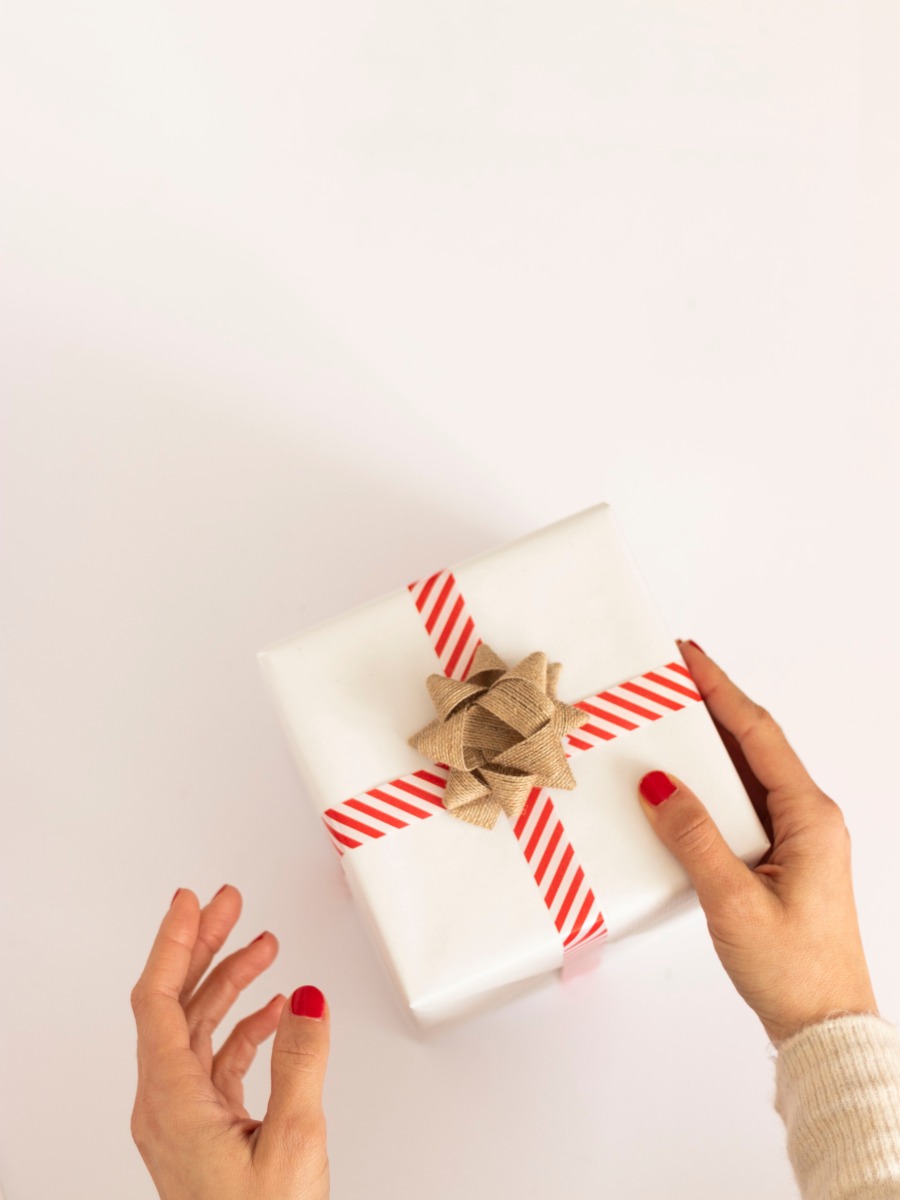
<point x="838" y="1093"/>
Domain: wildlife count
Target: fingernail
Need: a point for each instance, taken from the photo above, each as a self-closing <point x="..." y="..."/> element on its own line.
<point x="694" y="644"/>
<point x="656" y="787"/>
<point x="262" y="935"/>
<point x="221" y="890"/>
<point x="308" y="1001"/>
<point x="172" y="901"/>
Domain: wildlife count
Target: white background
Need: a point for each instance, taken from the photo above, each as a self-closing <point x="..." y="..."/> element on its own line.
<point x="303" y="301"/>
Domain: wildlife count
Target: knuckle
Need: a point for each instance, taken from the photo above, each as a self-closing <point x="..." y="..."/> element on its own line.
<point x="318" y="1131"/>
<point x="299" y="1059"/>
<point x="740" y="902"/>
<point x="694" y="834"/>
<point x="142" y="1124"/>
<point x="227" y="1074"/>
<point x="151" y="1116"/>
<point x="246" y="1036"/>
<point x="763" y="716"/>
<point x="240" y="1040"/>
<point x="304" y="1132"/>
<point x="231" y="1071"/>
<point x="831" y="819"/>
<point x="240" y="973"/>
<point x="831" y="810"/>
<point x="201" y="1025"/>
<point x="210" y="945"/>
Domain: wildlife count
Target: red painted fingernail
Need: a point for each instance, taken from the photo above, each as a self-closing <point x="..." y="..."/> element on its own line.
<point x="221" y="890"/>
<point x="172" y="901"/>
<point x="693" y="643"/>
<point x="308" y="1001"/>
<point x="656" y="787"/>
<point x="262" y="935"/>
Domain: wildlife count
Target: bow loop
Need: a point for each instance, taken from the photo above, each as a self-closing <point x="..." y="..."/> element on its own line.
<point x="500" y="733"/>
<point x="447" y="693"/>
<point x="486" y="666"/>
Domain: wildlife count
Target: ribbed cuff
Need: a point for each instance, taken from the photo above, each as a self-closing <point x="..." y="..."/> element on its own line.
<point x="838" y="1093"/>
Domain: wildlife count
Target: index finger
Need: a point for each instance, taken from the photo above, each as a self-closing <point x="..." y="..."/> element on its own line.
<point x="161" y="1023"/>
<point x="770" y="756"/>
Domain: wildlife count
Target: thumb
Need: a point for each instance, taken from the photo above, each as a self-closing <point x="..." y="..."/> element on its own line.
<point x="684" y="826"/>
<point x="294" y="1121"/>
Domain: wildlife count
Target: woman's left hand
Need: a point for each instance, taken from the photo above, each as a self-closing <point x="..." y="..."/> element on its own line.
<point x="189" y="1121"/>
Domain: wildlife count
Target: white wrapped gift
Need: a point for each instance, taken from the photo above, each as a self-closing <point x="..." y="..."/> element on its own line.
<point x="464" y="915"/>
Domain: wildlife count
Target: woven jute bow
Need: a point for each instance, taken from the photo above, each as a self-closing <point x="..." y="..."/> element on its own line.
<point x="500" y="732"/>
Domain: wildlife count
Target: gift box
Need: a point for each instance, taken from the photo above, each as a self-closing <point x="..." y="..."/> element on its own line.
<point x="473" y="742"/>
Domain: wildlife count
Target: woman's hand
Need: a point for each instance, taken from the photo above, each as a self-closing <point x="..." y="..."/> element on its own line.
<point x="787" y="931"/>
<point x="189" y="1121"/>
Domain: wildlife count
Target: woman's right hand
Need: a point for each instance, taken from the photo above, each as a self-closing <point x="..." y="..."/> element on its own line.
<point x="786" y="931"/>
<point x="189" y="1121"/>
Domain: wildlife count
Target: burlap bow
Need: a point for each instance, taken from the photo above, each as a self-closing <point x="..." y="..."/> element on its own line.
<point x="500" y="732"/>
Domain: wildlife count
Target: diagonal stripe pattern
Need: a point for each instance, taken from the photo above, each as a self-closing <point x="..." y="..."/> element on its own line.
<point x="448" y="622"/>
<point x="401" y="802"/>
<point x="569" y="898"/>
<point x="393" y="805"/>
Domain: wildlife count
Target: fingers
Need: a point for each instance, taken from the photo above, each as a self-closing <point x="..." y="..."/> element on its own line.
<point x="216" y="994"/>
<point x="217" y="919"/>
<point x="760" y="738"/>
<point x="161" y="1025"/>
<point x="234" y="1058"/>
<point x="682" y="823"/>
<point x="294" y="1121"/>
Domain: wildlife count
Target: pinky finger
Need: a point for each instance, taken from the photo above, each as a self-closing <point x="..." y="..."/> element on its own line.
<point x="234" y="1057"/>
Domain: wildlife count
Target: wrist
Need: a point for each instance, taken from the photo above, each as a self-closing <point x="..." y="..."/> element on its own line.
<point x="780" y="1031"/>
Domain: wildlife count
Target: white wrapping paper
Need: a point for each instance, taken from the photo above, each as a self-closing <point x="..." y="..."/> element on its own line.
<point x="453" y="908"/>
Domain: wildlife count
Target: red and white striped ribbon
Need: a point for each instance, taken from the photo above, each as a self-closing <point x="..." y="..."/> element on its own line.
<point x="401" y="802"/>
<point x="448" y="622"/>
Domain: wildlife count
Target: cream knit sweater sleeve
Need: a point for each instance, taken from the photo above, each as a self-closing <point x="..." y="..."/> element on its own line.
<point x="837" y="1089"/>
